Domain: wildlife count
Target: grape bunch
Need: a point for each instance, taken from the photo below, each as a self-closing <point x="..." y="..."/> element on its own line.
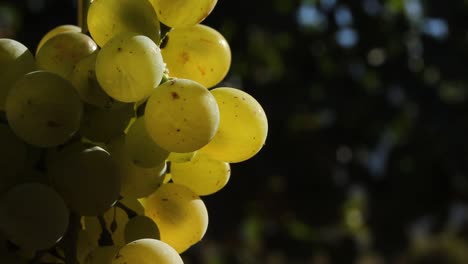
<point x="111" y="132"/>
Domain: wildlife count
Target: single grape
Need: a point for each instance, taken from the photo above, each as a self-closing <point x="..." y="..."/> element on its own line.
<point x="54" y="32"/>
<point x="180" y="215"/>
<point x="141" y="148"/>
<point x="147" y="251"/>
<point x="102" y="125"/>
<point x="43" y="109"/>
<point x="108" y="18"/>
<point x="85" y="82"/>
<point x="202" y="174"/>
<point x="129" y="67"/>
<point x="87" y="178"/>
<point x="33" y="216"/>
<point x="183" y="13"/>
<point x="62" y="52"/>
<point x="243" y="126"/>
<point x="140" y="227"/>
<point x="198" y="53"/>
<point x="15" y="61"/>
<point x="137" y="182"/>
<point x="181" y="116"/>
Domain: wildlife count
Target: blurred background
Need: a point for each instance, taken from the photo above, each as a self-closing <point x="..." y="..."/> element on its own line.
<point x="366" y="160"/>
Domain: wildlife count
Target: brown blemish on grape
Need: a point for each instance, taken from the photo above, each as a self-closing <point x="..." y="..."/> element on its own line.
<point x="178" y="130"/>
<point x="201" y="70"/>
<point x="185" y="57"/>
<point x="175" y="95"/>
<point x="164" y="199"/>
<point x="119" y="49"/>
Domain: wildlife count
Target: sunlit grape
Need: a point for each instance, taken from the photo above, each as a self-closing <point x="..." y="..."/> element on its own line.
<point x="147" y="251"/>
<point x="183" y="13"/>
<point x="55" y="31"/>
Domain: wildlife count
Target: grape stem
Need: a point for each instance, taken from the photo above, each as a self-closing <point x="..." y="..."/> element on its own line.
<point x="71" y="239"/>
<point x="83" y="6"/>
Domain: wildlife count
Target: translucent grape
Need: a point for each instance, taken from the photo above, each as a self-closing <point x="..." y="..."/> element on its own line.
<point x="181" y="116"/>
<point x="43" y="109"/>
<point x="137" y="182"/>
<point x="181" y="157"/>
<point x="62" y="52"/>
<point x="129" y="67"/>
<point x="87" y="178"/>
<point x="33" y="216"/>
<point x="108" y="18"/>
<point x="198" y="53"/>
<point x="147" y="251"/>
<point x="202" y="174"/>
<point x="183" y="13"/>
<point x="55" y="31"/>
<point x="141" y="148"/>
<point x="12" y="158"/>
<point x="140" y="227"/>
<point x="180" y="215"/>
<point x="102" y="125"/>
<point x="85" y="82"/>
<point x="243" y="126"/>
<point x="15" y="61"/>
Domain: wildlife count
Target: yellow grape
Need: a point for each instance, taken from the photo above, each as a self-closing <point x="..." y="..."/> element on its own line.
<point x="141" y="148"/>
<point x="180" y="215"/>
<point x="129" y="67"/>
<point x="202" y="174"/>
<point x="12" y="158"/>
<point x="55" y="31"/>
<point x="181" y="157"/>
<point x="102" y="255"/>
<point x="33" y="216"/>
<point x="62" y="52"/>
<point x="15" y="61"/>
<point x="102" y="125"/>
<point x="108" y="18"/>
<point x="87" y="178"/>
<point x="183" y="13"/>
<point x="181" y="116"/>
<point x="43" y="109"/>
<point x="137" y="182"/>
<point x="140" y="227"/>
<point x="243" y="126"/>
<point x="85" y="82"/>
<point x="198" y="53"/>
<point x="147" y="251"/>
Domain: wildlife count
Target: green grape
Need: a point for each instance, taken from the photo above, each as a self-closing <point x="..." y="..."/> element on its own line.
<point x="33" y="216"/>
<point x="87" y="178"/>
<point x="140" y="227"/>
<point x="43" y="109"/>
<point x="181" y="116"/>
<point x="137" y="182"/>
<point x="198" y="53"/>
<point x="12" y="158"/>
<point x="141" y="148"/>
<point x="108" y="18"/>
<point x="102" y="255"/>
<point x="62" y="52"/>
<point x="102" y="125"/>
<point x="114" y="215"/>
<point x="15" y="61"/>
<point x="183" y="13"/>
<point x="147" y="251"/>
<point x="181" y="157"/>
<point x="180" y="215"/>
<point x="84" y="80"/>
<point x="55" y="31"/>
<point x="129" y="67"/>
<point x="202" y="174"/>
<point x="243" y="126"/>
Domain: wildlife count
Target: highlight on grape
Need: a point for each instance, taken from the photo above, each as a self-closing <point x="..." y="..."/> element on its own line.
<point x="113" y="131"/>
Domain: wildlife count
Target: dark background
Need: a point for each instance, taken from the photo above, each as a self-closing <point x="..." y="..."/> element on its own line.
<point x="366" y="158"/>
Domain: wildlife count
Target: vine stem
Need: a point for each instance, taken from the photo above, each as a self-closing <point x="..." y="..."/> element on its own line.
<point x="83" y="6"/>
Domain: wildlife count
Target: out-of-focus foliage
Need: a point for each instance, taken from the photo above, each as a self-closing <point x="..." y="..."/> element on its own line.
<point x="366" y="160"/>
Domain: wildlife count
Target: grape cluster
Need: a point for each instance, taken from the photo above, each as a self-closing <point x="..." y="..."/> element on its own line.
<point x="109" y="139"/>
